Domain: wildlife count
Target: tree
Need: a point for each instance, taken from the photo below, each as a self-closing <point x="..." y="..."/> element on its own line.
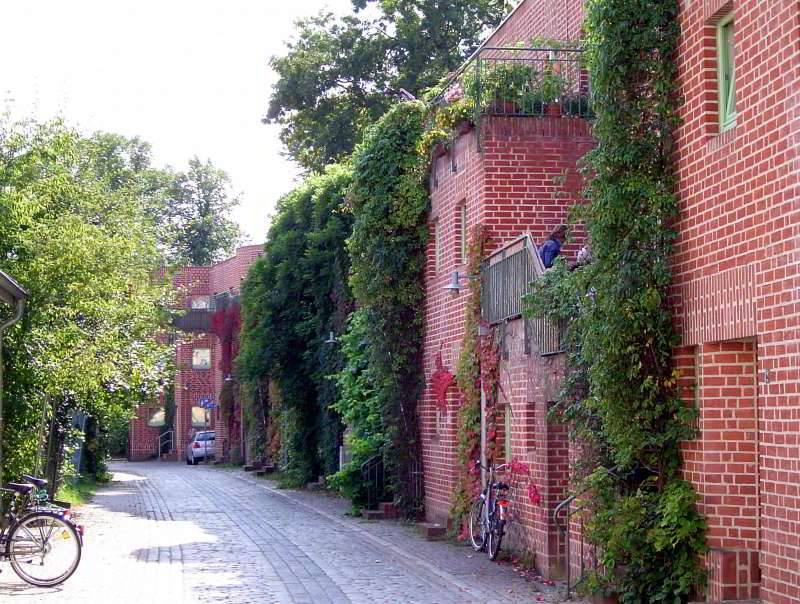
<point x="74" y="231"/>
<point x="197" y="215"/>
<point x="339" y="75"/>
<point x="189" y="211"/>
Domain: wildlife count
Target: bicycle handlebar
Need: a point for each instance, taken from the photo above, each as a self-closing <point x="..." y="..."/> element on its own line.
<point x="478" y="464"/>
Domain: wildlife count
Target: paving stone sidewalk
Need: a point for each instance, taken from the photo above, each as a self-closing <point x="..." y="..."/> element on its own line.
<point x="165" y="532"/>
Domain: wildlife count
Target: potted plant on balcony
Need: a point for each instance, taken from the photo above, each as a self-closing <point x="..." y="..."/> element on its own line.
<point x="501" y="87"/>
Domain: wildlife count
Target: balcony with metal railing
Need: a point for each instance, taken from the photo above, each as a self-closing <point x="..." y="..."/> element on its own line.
<point x="506" y="278"/>
<point x="521" y="82"/>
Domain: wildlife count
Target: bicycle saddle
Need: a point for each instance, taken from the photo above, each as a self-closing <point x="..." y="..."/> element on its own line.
<point x="39" y="483"/>
<point x="22" y="489"/>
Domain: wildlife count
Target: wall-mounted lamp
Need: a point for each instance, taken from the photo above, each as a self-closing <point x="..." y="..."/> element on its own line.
<point x="228" y="377"/>
<point x="331" y="338"/>
<point x="454" y="287"/>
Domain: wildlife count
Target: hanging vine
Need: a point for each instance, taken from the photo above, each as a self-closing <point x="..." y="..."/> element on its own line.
<point x="621" y="395"/>
<point x="387" y="246"/>
<point x="468" y="379"/>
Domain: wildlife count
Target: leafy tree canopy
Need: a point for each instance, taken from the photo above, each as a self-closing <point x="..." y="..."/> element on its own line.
<point x="339" y="75"/>
<point x="200" y="229"/>
<point x="189" y="211"/>
<point x="75" y="233"/>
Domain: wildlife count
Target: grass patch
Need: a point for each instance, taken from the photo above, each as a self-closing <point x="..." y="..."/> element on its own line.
<point x="78" y="492"/>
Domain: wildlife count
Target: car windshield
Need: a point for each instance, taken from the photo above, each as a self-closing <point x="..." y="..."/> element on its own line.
<point x="205" y="436"/>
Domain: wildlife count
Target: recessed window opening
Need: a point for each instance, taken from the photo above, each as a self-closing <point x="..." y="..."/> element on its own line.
<point x="726" y="61"/>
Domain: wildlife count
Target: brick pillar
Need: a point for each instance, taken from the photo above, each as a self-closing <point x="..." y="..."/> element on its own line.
<point x="551" y="469"/>
<point x="723" y="466"/>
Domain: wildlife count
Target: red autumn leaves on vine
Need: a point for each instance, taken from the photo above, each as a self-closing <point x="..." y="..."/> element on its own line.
<point x="225" y="324"/>
<point x="441" y="381"/>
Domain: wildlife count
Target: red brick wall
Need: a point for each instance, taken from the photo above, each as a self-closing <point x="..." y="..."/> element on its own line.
<point x="228" y="274"/>
<point x="740" y="241"/>
<point x="522" y="180"/>
<point x="191" y="385"/>
<point x="142" y="439"/>
<point x="554" y="19"/>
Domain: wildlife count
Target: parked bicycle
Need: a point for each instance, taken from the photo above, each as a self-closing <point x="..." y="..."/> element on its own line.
<point x="487" y="518"/>
<point x="38" y="537"/>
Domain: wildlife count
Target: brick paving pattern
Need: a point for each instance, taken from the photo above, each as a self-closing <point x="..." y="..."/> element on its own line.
<point x="164" y="532"/>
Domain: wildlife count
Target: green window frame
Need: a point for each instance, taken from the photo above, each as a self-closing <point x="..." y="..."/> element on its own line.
<point x="726" y="61"/>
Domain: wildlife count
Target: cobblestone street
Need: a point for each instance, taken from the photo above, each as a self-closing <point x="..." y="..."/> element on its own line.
<point x="165" y="532"/>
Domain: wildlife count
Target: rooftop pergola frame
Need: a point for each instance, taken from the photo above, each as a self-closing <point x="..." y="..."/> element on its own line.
<point x="13" y="294"/>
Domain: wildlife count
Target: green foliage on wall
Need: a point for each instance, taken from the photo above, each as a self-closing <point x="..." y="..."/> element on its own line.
<point x="621" y="395"/>
<point x="388" y="250"/>
<point x="293" y="296"/>
<point x="468" y="379"/>
<point x="360" y="408"/>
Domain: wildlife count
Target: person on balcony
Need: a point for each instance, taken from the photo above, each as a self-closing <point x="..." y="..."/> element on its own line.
<point x="551" y="248"/>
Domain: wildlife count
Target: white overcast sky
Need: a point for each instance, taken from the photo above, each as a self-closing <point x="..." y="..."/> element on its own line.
<point x="188" y="76"/>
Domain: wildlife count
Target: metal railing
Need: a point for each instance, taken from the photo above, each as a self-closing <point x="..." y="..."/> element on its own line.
<point x="194" y="320"/>
<point x="515" y="81"/>
<point x="417" y="479"/>
<point x="374" y="480"/>
<point x="565" y="532"/>
<point x="167" y="438"/>
<point x="506" y="278"/>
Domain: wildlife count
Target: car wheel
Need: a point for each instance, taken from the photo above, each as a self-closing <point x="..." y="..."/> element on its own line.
<point x="188" y="463"/>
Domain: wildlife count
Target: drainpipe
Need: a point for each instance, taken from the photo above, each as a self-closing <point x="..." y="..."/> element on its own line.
<point x="3" y="328"/>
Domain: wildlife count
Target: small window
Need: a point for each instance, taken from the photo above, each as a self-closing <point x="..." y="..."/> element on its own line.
<point x="201" y="302"/>
<point x="726" y="60"/>
<point x="437" y="246"/>
<point x="508" y="433"/>
<point x="157" y="418"/>
<point x="462" y="231"/>
<point x="201" y="358"/>
<point x="199" y="418"/>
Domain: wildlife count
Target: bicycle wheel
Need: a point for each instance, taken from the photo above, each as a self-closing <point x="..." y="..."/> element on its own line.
<point x="44" y="549"/>
<point x="477" y="530"/>
<point x="495" y="538"/>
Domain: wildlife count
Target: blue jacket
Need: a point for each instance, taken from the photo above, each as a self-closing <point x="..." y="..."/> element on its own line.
<point x="549" y="251"/>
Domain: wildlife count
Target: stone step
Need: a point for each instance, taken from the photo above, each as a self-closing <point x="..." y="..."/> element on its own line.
<point x="372" y="514"/>
<point x="389" y="510"/>
<point x="249" y="468"/>
<point x="431" y="530"/>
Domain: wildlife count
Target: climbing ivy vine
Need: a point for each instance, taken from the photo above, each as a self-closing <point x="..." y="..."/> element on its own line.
<point x="389" y="203"/>
<point x="468" y="379"/>
<point x="294" y="295"/>
<point x="621" y="395"/>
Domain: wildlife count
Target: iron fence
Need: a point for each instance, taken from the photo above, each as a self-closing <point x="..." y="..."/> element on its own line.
<point x="528" y="81"/>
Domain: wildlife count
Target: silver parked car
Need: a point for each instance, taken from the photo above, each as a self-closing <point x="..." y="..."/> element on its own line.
<point x="201" y="446"/>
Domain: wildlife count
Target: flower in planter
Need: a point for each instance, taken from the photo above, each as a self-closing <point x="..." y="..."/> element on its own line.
<point x="454" y="93"/>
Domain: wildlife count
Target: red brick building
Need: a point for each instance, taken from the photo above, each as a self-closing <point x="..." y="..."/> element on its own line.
<point x="202" y="291"/>
<point x="517" y="175"/>
<point x="736" y="284"/>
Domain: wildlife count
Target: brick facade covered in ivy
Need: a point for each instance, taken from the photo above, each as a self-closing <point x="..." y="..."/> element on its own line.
<point x="736" y="291"/>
